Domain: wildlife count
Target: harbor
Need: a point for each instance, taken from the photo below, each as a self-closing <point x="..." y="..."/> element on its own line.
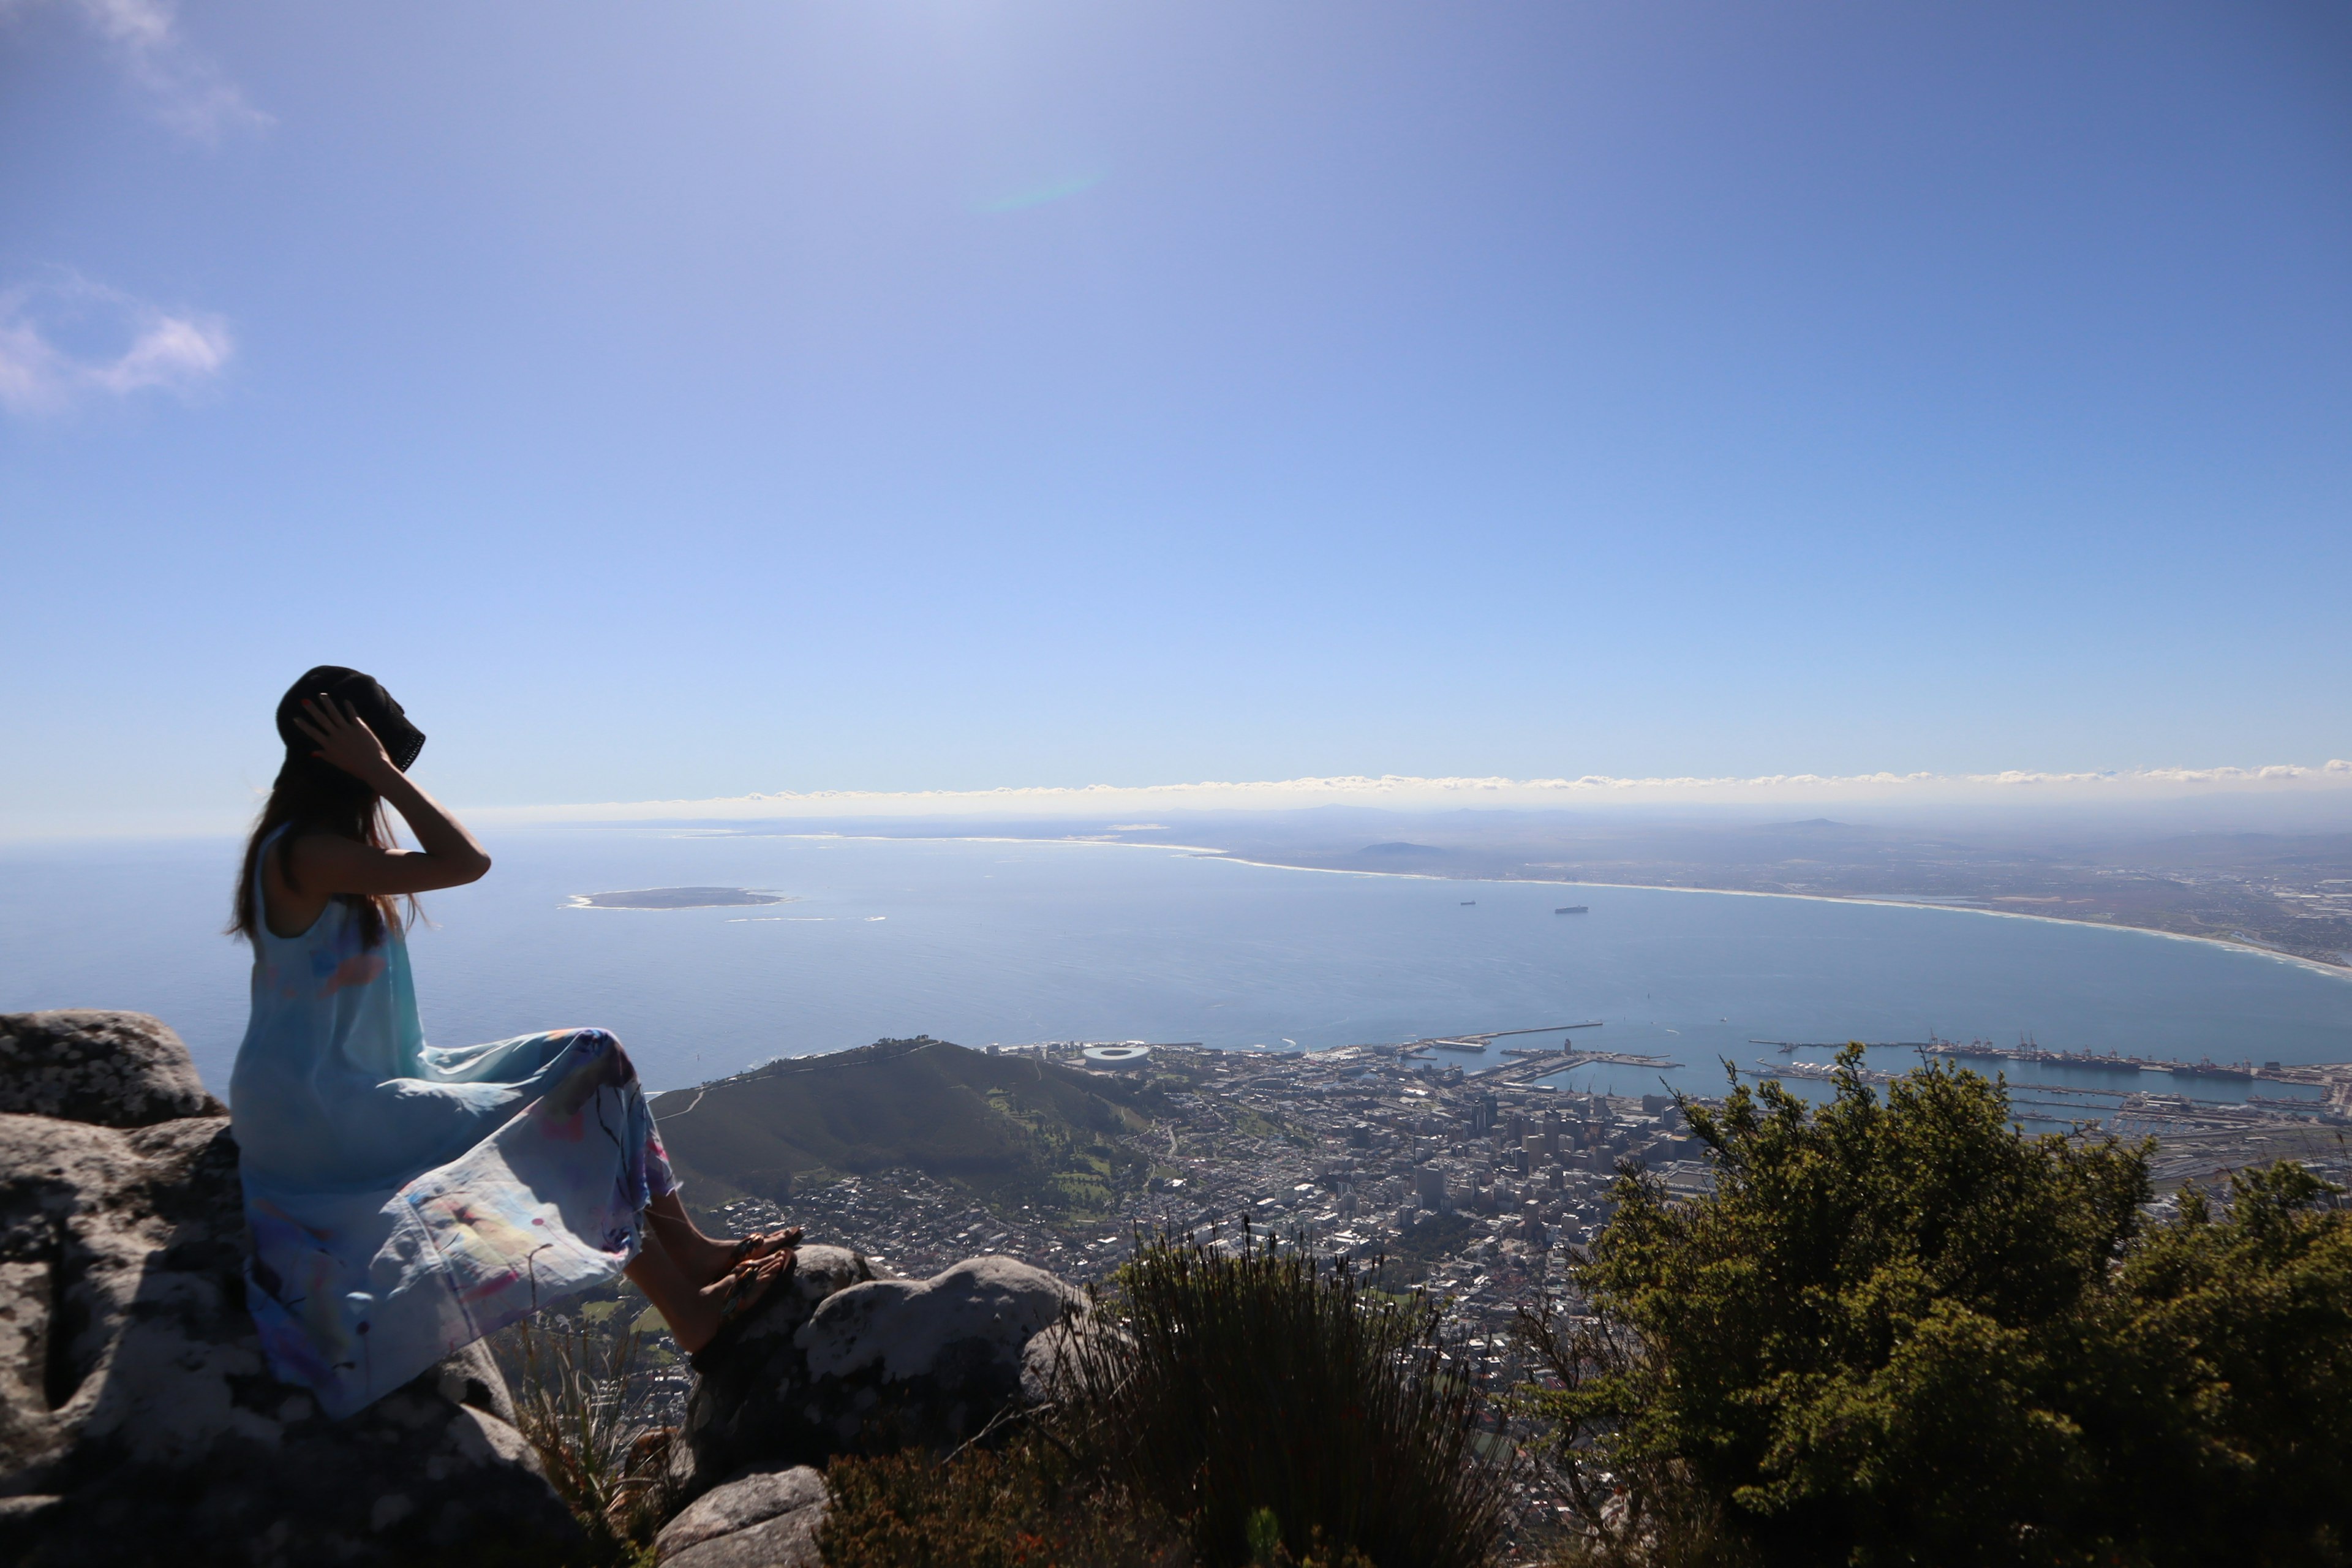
<point x="2197" y="1140"/>
<point x="2333" y="1079"/>
<point x="1477" y="1044"/>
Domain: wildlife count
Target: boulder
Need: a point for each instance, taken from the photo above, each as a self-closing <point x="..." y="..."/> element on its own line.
<point x="1053" y="1361"/>
<point x="841" y="1363"/>
<point x="110" y="1070"/>
<point x="767" y="1519"/>
<point x="138" y="1421"/>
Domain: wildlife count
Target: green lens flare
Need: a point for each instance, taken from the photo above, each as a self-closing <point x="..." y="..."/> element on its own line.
<point x="1039" y="195"/>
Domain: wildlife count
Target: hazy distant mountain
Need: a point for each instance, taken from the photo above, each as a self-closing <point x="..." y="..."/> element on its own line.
<point x="1011" y="1129"/>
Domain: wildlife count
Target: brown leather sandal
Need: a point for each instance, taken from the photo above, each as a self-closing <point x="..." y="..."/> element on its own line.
<point x="763" y="1244"/>
<point x="751" y="1288"/>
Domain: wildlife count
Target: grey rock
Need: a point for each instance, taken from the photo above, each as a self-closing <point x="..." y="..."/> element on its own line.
<point x="25" y="1519"/>
<point x="733" y="1387"/>
<point x="113" y="1069"/>
<point x="867" y="1365"/>
<point x="904" y="1328"/>
<point x="741" y="1505"/>
<point x="132" y="1387"/>
<point x="789" y="1540"/>
<point x="472" y="1377"/>
<point x="1052" y="1359"/>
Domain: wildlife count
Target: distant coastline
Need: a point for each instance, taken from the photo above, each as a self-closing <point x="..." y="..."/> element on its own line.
<point x="2341" y="970"/>
<point x="1275" y="860"/>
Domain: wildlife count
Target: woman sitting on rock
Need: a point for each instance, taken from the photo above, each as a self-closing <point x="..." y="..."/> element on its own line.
<point x="407" y="1200"/>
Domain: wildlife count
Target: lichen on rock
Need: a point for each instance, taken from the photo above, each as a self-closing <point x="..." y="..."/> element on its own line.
<point x="109" y="1069"/>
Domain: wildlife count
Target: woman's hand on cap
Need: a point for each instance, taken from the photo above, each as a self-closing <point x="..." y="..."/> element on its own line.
<point x="344" y="739"/>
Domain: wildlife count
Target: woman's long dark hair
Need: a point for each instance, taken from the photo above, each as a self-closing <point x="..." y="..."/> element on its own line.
<point x="315" y="796"/>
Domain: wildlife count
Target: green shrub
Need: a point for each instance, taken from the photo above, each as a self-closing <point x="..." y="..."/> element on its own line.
<point x="1903" y="1331"/>
<point x="1229" y="1385"/>
<point x="2240" y="1330"/>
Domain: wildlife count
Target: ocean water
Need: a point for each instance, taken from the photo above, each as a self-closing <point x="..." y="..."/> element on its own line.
<point x="981" y="942"/>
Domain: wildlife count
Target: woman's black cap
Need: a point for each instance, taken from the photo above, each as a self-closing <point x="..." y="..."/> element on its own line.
<point x="367" y="698"/>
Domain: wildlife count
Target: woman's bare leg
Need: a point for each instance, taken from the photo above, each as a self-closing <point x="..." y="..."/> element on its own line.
<point x="703" y="1258"/>
<point x="692" y="1307"/>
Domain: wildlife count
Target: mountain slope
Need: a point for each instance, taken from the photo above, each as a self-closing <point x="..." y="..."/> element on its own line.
<point x="1011" y="1129"/>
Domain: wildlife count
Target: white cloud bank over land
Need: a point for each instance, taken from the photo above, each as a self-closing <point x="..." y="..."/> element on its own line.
<point x="1397" y="793"/>
<point x="146" y="348"/>
<point x="186" y="91"/>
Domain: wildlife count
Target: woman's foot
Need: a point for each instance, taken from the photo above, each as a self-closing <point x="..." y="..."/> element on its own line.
<point x="712" y="1260"/>
<point x="705" y="1259"/>
<point x="765" y="1244"/>
<point x="713" y="1312"/>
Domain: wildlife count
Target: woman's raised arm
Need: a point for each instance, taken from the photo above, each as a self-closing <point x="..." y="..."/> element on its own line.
<point x="450" y="856"/>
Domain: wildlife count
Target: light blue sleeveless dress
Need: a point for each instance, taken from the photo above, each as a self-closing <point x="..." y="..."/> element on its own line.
<point x="404" y="1201"/>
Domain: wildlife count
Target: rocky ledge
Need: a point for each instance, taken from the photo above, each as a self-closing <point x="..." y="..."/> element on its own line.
<point x="138" y="1424"/>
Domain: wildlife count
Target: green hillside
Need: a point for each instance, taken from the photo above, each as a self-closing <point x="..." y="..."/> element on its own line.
<point x="1011" y="1129"/>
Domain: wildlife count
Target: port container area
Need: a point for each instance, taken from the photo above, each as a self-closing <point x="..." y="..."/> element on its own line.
<point x="2332" y="1081"/>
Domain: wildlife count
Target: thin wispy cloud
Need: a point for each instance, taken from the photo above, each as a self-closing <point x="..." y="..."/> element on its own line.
<point x="1401" y="792"/>
<point x="184" y="89"/>
<point x="134" y="347"/>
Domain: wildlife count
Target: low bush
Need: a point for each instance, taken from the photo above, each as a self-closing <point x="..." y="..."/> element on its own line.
<point x="1027" y="1506"/>
<point x="1273" y="1403"/>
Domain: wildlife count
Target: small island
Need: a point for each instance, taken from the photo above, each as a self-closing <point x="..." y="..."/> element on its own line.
<point x="676" y="898"/>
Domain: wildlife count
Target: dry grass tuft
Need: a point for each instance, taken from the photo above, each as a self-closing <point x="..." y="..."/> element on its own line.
<point x="576" y="1405"/>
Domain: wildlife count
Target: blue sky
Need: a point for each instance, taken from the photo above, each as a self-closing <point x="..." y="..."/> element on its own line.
<point x="692" y="400"/>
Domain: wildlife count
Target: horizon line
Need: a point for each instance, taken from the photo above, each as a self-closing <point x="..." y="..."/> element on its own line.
<point x="1402" y="790"/>
<point x="2331" y="779"/>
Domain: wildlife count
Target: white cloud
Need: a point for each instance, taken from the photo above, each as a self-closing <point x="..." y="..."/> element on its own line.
<point x="142" y="347"/>
<point x="187" y="90"/>
<point x="1399" y="792"/>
